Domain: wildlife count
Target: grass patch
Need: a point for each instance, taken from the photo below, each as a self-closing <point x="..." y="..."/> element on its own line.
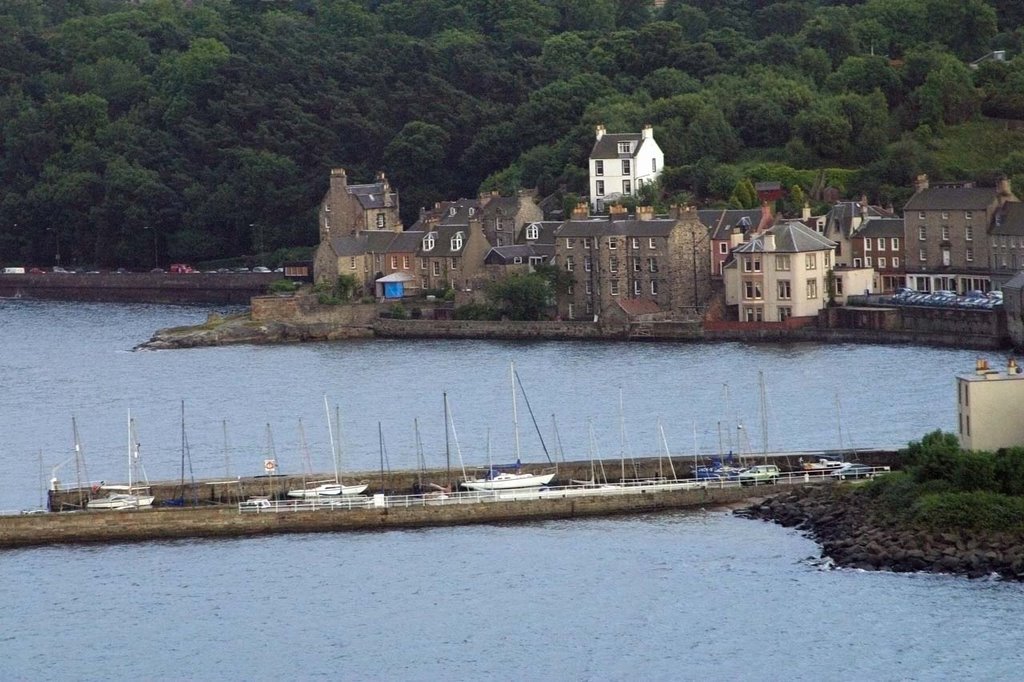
<point x="978" y="145"/>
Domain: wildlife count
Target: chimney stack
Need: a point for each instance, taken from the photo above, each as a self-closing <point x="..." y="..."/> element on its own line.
<point x="580" y="211"/>
<point x="921" y="183"/>
<point x="648" y="132"/>
<point x="644" y="212"/>
<point x="805" y="212"/>
<point x="599" y="131"/>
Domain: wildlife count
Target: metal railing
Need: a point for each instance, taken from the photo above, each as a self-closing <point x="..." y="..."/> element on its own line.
<point x="627" y="487"/>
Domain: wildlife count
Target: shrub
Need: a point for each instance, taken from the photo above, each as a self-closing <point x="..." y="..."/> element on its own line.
<point x="979" y="510"/>
<point x="282" y="286"/>
<point x="475" y="311"/>
<point x="398" y="312"/>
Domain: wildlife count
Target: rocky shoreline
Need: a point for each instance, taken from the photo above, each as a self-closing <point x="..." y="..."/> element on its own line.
<point x="236" y="329"/>
<point x="853" y="533"/>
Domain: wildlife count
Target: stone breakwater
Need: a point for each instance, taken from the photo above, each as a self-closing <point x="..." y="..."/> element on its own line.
<point x="853" y="533"/>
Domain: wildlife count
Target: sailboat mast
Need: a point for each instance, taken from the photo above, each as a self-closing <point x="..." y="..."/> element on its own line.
<point x="131" y="447"/>
<point x="764" y="416"/>
<point x="330" y="434"/>
<point x="622" y="439"/>
<point x="447" y="445"/>
<point x="515" y="416"/>
<point x="227" y="455"/>
<point x="182" y="450"/>
<point x="78" y="460"/>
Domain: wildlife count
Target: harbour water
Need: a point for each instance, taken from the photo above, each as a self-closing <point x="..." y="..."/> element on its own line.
<point x="699" y="595"/>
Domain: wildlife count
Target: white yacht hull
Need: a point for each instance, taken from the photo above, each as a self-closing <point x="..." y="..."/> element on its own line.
<point x="506" y="481"/>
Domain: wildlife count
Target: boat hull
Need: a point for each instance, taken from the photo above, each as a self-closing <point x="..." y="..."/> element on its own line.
<point x="120" y="501"/>
<point x="509" y="482"/>
<point x="330" y="490"/>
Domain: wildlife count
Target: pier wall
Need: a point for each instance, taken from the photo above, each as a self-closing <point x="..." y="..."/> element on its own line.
<point x="150" y="287"/>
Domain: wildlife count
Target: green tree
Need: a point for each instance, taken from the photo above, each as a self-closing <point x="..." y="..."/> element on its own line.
<point x="521" y="297"/>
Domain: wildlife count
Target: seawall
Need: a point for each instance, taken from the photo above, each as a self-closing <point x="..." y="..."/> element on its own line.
<point x="168" y="524"/>
<point x="149" y="287"/>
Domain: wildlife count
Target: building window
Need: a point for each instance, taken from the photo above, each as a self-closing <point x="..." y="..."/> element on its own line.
<point x="867" y="244"/>
<point x="352" y="263"/>
<point x="517" y="260"/>
<point x="784" y="290"/>
<point x="437" y="268"/>
<point x="654" y="287"/>
<point x="635" y="243"/>
<point x="839" y="286"/>
<point x="625" y="147"/>
<point x="572" y="311"/>
<point x="945" y="215"/>
<point x="894" y="244"/>
<point x="627" y="169"/>
<point x="785" y="312"/>
<point x="945" y="233"/>
<point x="752" y="291"/>
<point x="652" y="264"/>
<point x="588" y="263"/>
<point x="895" y="262"/>
<point x="613" y="264"/>
<point x="856" y="262"/>
<point x="811" y="261"/>
<point x="590" y="307"/>
<point x="654" y="165"/>
<point x="970" y="254"/>
<point x="457" y="242"/>
<point x="599" y="167"/>
<point x="881" y="263"/>
<point x="423" y="283"/>
<point x="569" y="264"/>
<point x="828" y="259"/>
<point x="589" y="288"/>
<point x="636" y="287"/>
<point x="881" y="244"/>
<point x="782" y="263"/>
<point x="428" y="242"/>
<point x="599" y="189"/>
<point x="380" y="221"/>
<point x="920" y="215"/>
<point x="922" y="232"/>
<point x="867" y="261"/>
<point x="812" y="288"/>
<point x="627" y="188"/>
<point x="568" y="243"/>
<point x="569" y="289"/>
<point x="613" y="287"/>
<point x="723" y="248"/>
<point x="922" y="255"/>
<point x="969" y="233"/>
<point x="532" y="231"/>
<point x="613" y="243"/>
<point x="650" y="243"/>
<point x="636" y="263"/>
<point x="586" y="242"/>
<point x="423" y="263"/>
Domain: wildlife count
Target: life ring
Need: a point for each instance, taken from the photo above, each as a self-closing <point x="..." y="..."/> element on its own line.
<point x="270" y="465"/>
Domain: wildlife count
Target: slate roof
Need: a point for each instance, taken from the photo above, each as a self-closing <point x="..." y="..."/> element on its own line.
<point x="635" y="307"/>
<point x="378" y="241"/>
<point x="952" y="198"/>
<point x="790" y="237"/>
<point x="406" y="242"/>
<point x="1010" y="219"/>
<point x="657" y="227"/>
<point x="500" y="206"/>
<point x="443" y="242"/>
<point x="721" y="221"/>
<point x="370" y="196"/>
<point x="881" y="227"/>
<point x="348" y="245"/>
<point x="545" y="232"/>
<point x="839" y="219"/>
<point x="501" y="255"/>
<point x="608" y="146"/>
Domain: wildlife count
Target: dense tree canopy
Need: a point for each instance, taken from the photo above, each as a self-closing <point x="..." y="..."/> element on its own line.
<point x="206" y="129"/>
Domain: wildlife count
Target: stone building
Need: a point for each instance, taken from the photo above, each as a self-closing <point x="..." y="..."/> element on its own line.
<point x="452" y="256"/>
<point x="503" y="218"/>
<point x="662" y="260"/>
<point x="877" y="245"/>
<point x="347" y="212"/>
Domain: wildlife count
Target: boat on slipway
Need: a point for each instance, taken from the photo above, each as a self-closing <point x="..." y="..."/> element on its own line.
<point x="334" y="488"/>
<point x="131" y="496"/>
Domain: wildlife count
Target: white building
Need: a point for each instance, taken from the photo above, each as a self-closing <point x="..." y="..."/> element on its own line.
<point x="620" y="163"/>
<point x="988" y="407"/>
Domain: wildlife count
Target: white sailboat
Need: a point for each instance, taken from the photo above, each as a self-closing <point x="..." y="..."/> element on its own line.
<point x="336" y="487"/>
<point x="510" y="480"/>
<point x="133" y="495"/>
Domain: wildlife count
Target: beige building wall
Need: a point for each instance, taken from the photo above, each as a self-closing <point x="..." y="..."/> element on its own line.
<point x="988" y="410"/>
<point x="770" y="286"/>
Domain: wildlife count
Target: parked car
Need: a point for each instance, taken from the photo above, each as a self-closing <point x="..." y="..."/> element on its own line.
<point x="61" y="271"/>
<point x="157" y="270"/>
<point x="853" y="470"/>
<point x="180" y="268"/>
<point x="36" y="271"/>
<point x="261" y="268"/>
<point x="760" y="473"/>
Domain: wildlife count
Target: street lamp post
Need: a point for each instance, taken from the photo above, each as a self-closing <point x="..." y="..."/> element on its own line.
<point x="156" y="257"/>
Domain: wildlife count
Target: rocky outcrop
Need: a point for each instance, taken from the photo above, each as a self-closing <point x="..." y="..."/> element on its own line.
<point x="854" y="534"/>
<point x="220" y="331"/>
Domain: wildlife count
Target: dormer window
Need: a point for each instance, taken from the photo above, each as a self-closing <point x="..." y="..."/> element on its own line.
<point x="380" y="221"/>
<point x="451" y="211"/>
<point x="532" y="231"/>
<point x="472" y="211"/>
<point x="457" y="241"/>
<point x="625" y="147"/>
<point x="428" y="242"/>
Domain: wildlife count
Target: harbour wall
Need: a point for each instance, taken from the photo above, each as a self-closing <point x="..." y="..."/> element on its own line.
<point x="167" y="524"/>
<point x="149" y="287"/>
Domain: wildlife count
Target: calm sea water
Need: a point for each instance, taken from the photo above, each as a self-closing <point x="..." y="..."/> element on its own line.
<point x="680" y="596"/>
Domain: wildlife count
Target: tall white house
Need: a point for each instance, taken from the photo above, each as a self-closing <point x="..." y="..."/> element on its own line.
<point x="620" y="163"/>
<point x="988" y="407"/>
